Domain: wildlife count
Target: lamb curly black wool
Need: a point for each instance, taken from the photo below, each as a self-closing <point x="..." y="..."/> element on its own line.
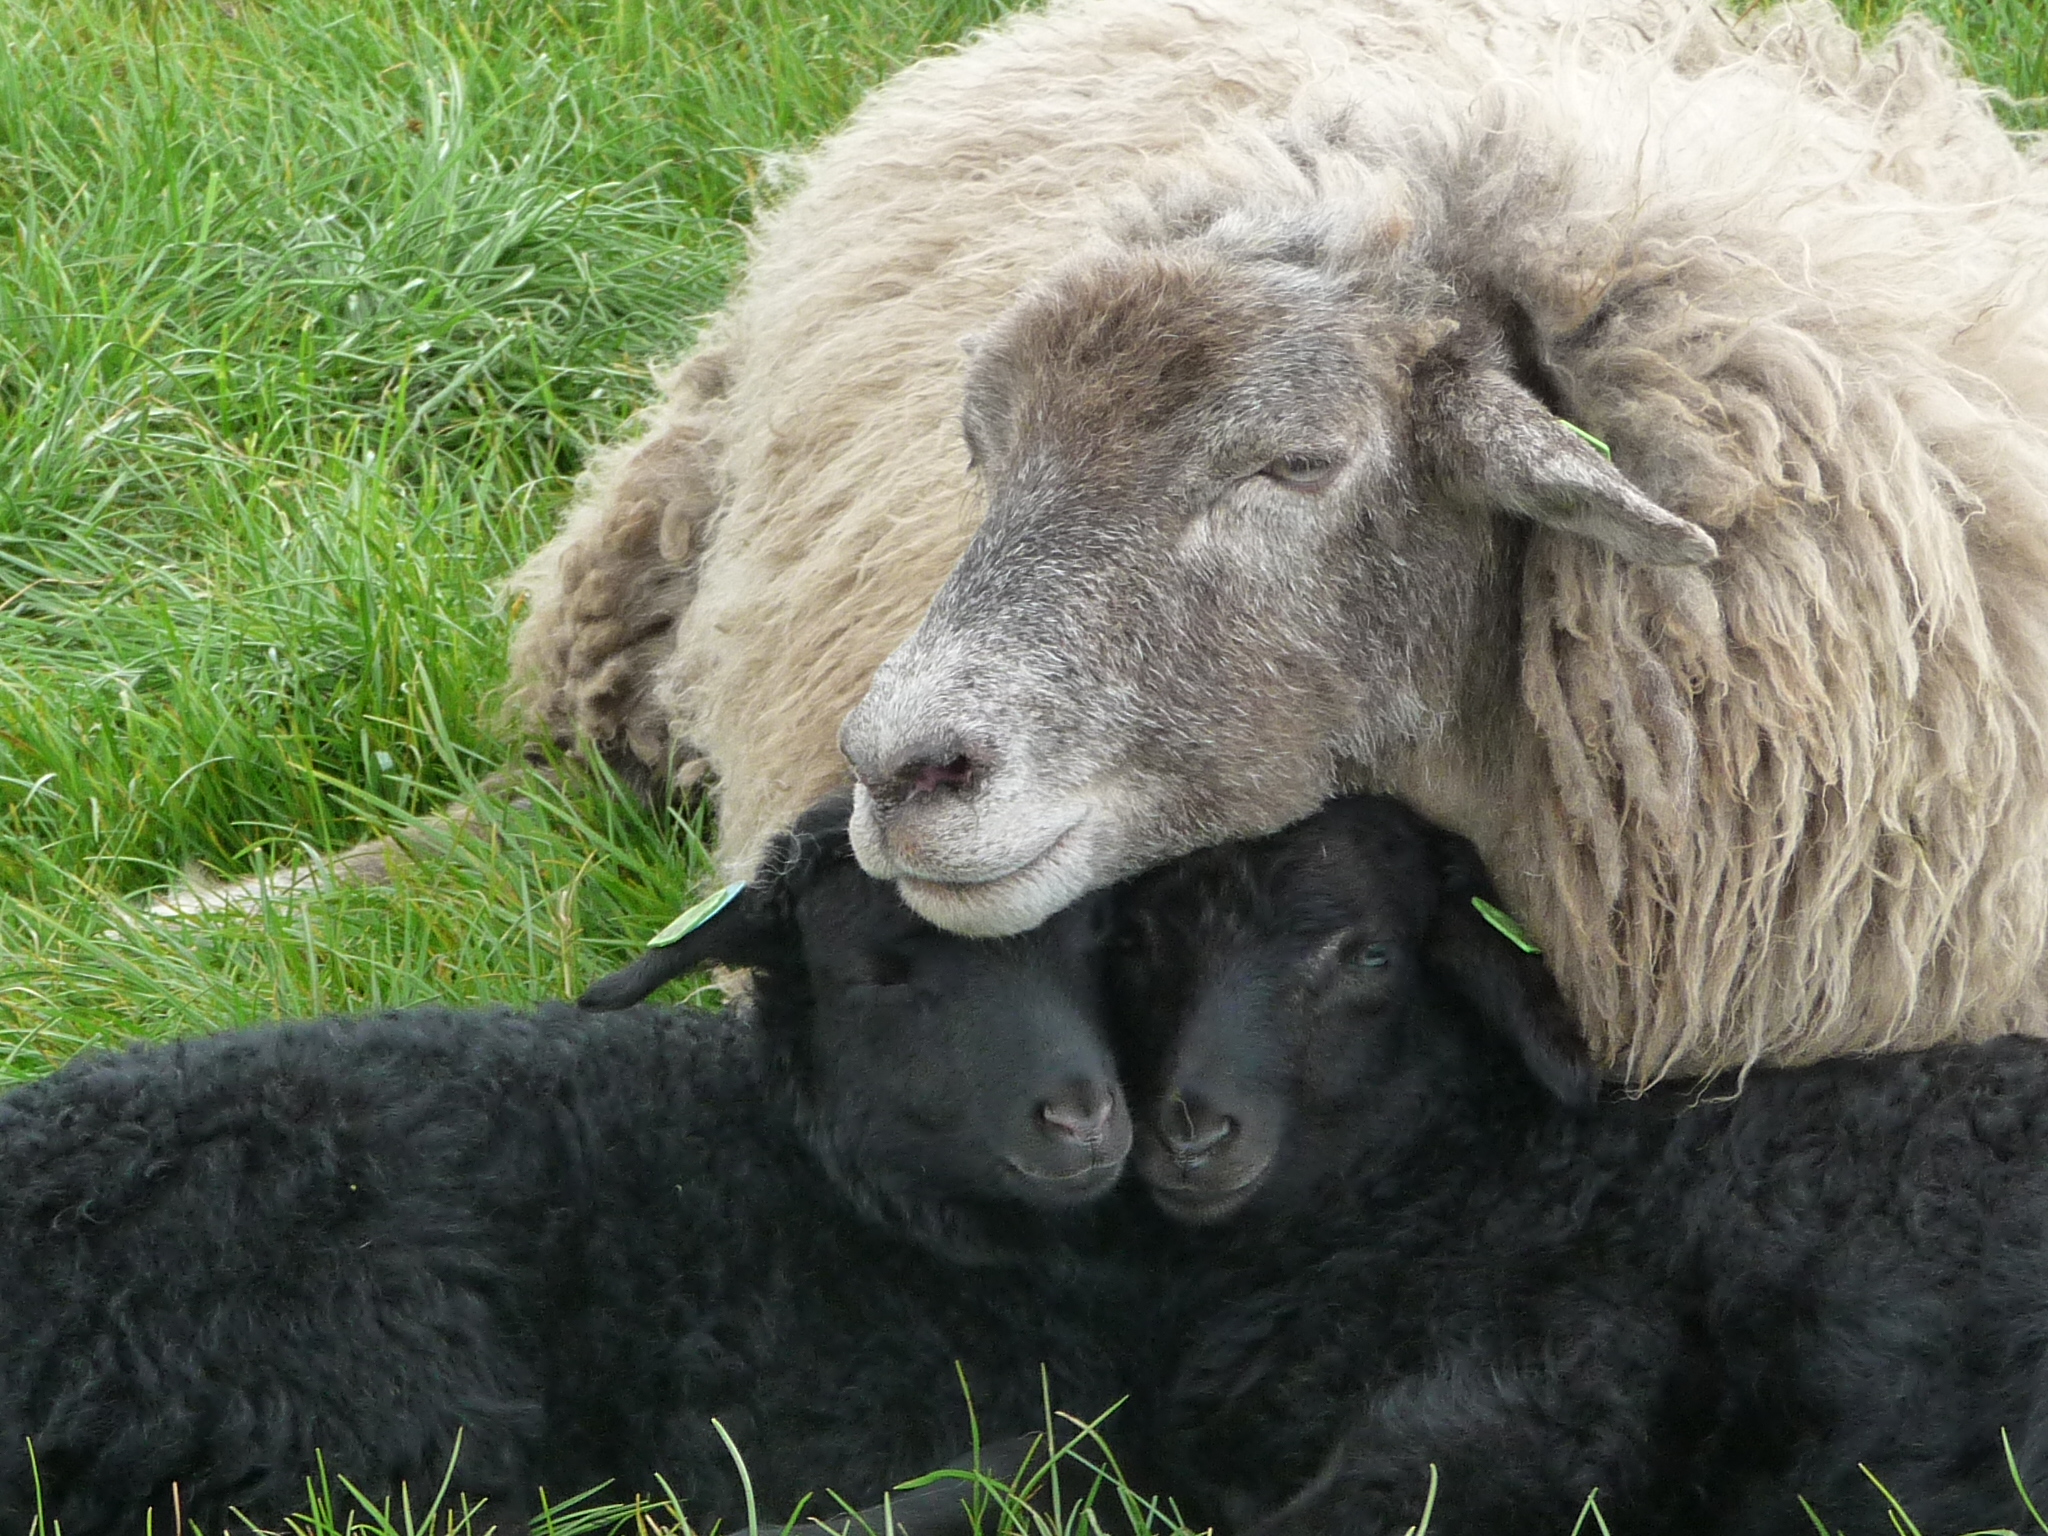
<point x="572" y="1238"/>
<point x="1415" y="1240"/>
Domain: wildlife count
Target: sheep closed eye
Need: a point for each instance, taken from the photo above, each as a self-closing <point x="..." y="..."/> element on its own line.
<point x="1305" y="472"/>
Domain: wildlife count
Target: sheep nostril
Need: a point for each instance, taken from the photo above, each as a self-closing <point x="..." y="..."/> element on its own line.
<point x="1081" y="1115"/>
<point x="946" y="766"/>
<point x="923" y="778"/>
<point x="1193" y="1132"/>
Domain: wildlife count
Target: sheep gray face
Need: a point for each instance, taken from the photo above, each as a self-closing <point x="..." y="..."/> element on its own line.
<point x="1289" y="1005"/>
<point x="1239" y="546"/>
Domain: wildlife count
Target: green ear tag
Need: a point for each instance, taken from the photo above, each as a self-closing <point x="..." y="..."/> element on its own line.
<point x="691" y="918"/>
<point x="1606" y="453"/>
<point x="1509" y="928"/>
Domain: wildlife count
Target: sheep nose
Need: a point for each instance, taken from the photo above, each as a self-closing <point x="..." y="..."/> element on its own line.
<point x="1080" y="1114"/>
<point x="946" y="765"/>
<point x="1193" y="1132"/>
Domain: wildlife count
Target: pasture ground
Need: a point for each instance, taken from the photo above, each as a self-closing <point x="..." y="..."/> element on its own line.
<point x="308" y="314"/>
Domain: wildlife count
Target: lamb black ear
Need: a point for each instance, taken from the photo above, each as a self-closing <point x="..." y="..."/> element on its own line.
<point x="1508" y="985"/>
<point x="750" y="929"/>
<point x="742" y="926"/>
<point x="1491" y="442"/>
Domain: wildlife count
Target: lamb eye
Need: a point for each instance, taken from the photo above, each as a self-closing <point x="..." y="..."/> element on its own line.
<point x="1346" y="953"/>
<point x="1302" y="471"/>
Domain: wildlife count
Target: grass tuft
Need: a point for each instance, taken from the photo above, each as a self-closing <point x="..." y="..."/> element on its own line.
<point x="307" y="319"/>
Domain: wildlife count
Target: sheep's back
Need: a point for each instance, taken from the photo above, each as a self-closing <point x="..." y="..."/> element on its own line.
<point x="1785" y="806"/>
<point x="578" y="1238"/>
<point x="331" y="1237"/>
<point x="1731" y="1294"/>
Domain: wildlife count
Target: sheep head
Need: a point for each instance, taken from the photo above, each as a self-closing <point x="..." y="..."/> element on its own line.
<point x="1296" y="1010"/>
<point x="1253" y="499"/>
<point x="947" y="1085"/>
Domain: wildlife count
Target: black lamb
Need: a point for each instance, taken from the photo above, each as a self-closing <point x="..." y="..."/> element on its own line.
<point x="1416" y="1239"/>
<point x="574" y="1237"/>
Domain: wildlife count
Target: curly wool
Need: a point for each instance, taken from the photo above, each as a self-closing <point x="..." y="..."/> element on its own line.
<point x="1436" y="1258"/>
<point x="572" y="1244"/>
<point x="1782" y="807"/>
<point x="561" y="1242"/>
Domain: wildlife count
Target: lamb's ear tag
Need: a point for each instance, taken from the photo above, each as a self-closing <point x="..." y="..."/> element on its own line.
<point x="1509" y="929"/>
<point x="691" y="918"/>
<point x="1606" y="452"/>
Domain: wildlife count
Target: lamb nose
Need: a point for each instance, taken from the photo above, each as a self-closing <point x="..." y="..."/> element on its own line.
<point x="1082" y="1114"/>
<point x="1193" y="1132"/>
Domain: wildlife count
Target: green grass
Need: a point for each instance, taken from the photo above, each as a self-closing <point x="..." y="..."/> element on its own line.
<point x="2004" y="42"/>
<point x="308" y="314"/>
<point x="1076" y="1491"/>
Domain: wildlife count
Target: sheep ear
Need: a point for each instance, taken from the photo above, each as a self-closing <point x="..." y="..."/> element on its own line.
<point x="1506" y="982"/>
<point x="742" y="927"/>
<point x="1492" y="443"/>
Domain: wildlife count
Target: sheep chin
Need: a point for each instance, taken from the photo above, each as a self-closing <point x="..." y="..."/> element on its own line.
<point x="1208" y="1190"/>
<point x="1004" y="906"/>
<point x="1068" y="867"/>
<point x="1051" y="1191"/>
<point x="1202" y="1207"/>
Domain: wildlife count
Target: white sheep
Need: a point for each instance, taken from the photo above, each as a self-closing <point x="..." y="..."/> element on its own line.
<point x="1789" y="802"/>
